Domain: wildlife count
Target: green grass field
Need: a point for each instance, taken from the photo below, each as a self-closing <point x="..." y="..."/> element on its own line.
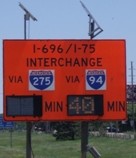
<point x="46" y="146"/>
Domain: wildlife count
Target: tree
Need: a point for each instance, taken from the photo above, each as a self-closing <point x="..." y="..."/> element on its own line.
<point x="66" y="130"/>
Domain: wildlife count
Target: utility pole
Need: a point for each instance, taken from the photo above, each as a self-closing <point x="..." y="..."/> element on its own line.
<point x="133" y="120"/>
<point x="27" y="16"/>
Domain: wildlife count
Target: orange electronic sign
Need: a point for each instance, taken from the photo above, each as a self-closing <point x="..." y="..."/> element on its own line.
<point x="56" y="80"/>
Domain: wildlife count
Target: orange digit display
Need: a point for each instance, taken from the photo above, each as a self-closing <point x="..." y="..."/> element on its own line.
<point x="64" y="80"/>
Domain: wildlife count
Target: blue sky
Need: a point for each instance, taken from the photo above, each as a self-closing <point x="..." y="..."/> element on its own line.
<point x="66" y="19"/>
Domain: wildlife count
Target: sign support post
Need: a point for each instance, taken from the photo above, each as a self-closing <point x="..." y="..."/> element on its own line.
<point x="27" y="16"/>
<point x="28" y="124"/>
<point x="28" y="139"/>
<point x="85" y="125"/>
<point x="11" y="137"/>
<point x="84" y="138"/>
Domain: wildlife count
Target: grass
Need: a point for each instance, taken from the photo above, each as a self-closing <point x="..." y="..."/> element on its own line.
<point x="46" y="146"/>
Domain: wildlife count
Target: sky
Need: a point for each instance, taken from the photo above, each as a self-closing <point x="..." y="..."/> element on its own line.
<point x="66" y="19"/>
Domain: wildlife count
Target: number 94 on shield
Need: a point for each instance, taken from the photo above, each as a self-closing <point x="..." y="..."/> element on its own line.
<point x="95" y="79"/>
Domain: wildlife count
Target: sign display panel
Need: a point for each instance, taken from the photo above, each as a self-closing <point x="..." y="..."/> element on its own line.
<point x="61" y="71"/>
<point x="85" y="105"/>
<point x="24" y="106"/>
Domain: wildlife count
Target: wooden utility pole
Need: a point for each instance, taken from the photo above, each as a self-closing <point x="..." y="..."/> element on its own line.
<point x="133" y="120"/>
